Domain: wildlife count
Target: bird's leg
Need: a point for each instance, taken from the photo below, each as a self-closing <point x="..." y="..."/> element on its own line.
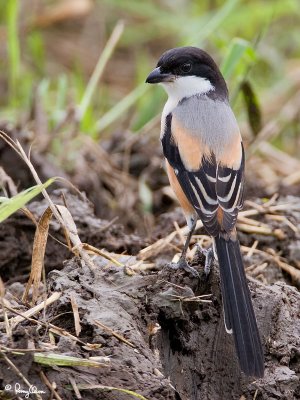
<point x="188" y="239"/>
<point x="209" y="257"/>
<point x="182" y="263"/>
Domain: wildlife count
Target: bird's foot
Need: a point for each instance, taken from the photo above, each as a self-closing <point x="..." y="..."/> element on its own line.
<point x="183" y="264"/>
<point x="209" y="257"/>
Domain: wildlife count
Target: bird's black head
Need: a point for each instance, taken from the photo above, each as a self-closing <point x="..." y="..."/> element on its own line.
<point x="188" y="62"/>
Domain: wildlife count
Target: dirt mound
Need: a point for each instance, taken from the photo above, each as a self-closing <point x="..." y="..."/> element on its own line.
<point x="154" y="331"/>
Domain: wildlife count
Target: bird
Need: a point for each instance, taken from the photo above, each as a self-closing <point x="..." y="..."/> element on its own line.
<point x="205" y="162"/>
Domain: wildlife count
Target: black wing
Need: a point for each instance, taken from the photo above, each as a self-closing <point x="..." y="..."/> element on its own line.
<point x="216" y="192"/>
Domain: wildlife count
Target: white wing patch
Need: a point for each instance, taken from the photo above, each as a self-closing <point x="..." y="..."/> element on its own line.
<point x="226" y="198"/>
<point x="208" y="199"/>
<point x="201" y="206"/>
<point x="224" y="178"/>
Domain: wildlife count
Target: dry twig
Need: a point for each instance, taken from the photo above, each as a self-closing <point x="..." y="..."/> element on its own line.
<point x="34" y="310"/>
<point x="76" y="315"/>
<point x="50" y="386"/>
<point x="115" y="334"/>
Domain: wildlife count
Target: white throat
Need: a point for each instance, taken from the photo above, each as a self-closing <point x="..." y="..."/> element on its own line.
<point x="182" y="87"/>
<point x="187" y="86"/>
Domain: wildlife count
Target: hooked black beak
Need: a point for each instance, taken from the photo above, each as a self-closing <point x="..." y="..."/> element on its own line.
<point x="156" y="76"/>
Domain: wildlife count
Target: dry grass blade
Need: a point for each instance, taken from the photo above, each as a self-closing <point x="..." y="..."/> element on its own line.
<point x="6" y="320"/>
<point x="76" y="315"/>
<point x="252" y="248"/>
<point x="157" y="247"/>
<point x="187" y="299"/>
<point x="21" y="352"/>
<point x="253" y="222"/>
<point x="34" y="310"/>
<point x="292" y="271"/>
<point x="261" y="230"/>
<point x="36" y="178"/>
<point x="52" y="328"/>
<point x="29" y="215"/>
<point x="38" y="254"/>
<point x="115" y="334"/>
<point x="110" y="388"/>
<point x="275" y="167"/>
<point x="16" y="146"/>
<point x="281" y="161"/>
<point x="283" y="219"/>
<point x="62" y="332"/>
<point x="257" y="269"/>
<point x="59" y="212"/>
<point x="291" y="179"/>
<point x="101" y="253"/>
<point x="244" y="224"/>
<point x="179" y="232"/>
<point x="161" y="244"/>
<point x="266" y="208"/>
<point x="71" y="233"/>
<point x="5" y="180"/>
<point x="75" y="388"/>
<point x="51" y="387"/>
<point x="10" y="142"/>
<point x="69" y="224"/>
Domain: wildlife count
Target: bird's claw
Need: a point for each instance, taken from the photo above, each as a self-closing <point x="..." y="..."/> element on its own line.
<point x="209" y="257"/>
<point x="183" y="264"/>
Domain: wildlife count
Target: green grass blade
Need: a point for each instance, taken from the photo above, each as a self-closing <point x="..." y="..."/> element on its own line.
<point x="10" y="205"/>
<point x="145" y="195"/>
<point x="36" y="48"/>
<point x="13" y="48"/>
<point x="203" y="32"/>
<point x="237" y="50"/>
<point x="120" y="108"/>
<point x="52" y="359"/>
<point x="98" y="71"/>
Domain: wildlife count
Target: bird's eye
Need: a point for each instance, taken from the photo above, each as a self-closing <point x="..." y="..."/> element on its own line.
<point x="186" y="67"/>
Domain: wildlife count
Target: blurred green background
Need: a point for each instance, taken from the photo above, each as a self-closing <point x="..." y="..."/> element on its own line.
<point x="73" y="71"/>
<point x="52" y="47"/>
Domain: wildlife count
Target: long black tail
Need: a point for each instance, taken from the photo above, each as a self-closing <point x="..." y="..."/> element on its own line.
<point x="238" y="310"/>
